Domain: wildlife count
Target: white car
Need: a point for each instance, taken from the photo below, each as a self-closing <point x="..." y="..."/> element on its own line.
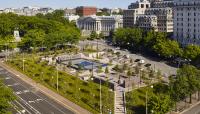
<point x="141" y="61"/>
<point x="117" y="48"/>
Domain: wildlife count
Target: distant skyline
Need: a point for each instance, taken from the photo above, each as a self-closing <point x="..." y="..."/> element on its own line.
<point x="65" y="3"/>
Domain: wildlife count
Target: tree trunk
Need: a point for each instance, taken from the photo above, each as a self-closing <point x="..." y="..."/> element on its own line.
<point x="190" y="98"/>
<point x="198" y="95"/>
<point x="176" y="107"/>
<point x="185" y="101"/>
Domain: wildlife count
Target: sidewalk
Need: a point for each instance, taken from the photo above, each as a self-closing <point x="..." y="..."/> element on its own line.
<point x="53" y="95"/>
<point x="183" y="106"/>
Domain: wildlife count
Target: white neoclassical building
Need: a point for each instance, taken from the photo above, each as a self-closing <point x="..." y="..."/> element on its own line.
<point x="187" y="21"/>
<point x="100" y="24"/>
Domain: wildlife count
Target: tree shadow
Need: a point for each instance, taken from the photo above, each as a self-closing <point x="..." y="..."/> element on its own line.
<point x="140" y="109"/>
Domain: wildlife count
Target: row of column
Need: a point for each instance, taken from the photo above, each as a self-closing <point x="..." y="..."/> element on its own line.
<point x="94" y="26"/>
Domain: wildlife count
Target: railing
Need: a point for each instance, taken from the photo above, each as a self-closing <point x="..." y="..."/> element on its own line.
<point x="124" y="100"/>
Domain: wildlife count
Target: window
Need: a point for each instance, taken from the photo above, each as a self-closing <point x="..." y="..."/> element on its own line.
<point x="147" y="6"/>
<point x="142" y="5"/>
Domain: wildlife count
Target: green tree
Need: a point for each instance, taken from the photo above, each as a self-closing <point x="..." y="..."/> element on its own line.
<point x="191" y="75"/>
<point x="191" y="52"/>
<point x="104" y="13"/>
<point x="106" y="70"/>
<point x="159" y="104"/>
<point x="93" y="35"/>
<point x="6" y="96"/>
<point x="164" y="48"/>
<point x="100" y="36"/>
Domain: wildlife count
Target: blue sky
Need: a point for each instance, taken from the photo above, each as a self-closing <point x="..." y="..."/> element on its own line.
<point x="65" y="3"/>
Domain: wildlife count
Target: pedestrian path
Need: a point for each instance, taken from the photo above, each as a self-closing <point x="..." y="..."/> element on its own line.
<point x="119" y="101"/>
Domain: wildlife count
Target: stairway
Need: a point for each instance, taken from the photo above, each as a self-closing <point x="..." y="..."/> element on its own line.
<point x="119" y="101"/>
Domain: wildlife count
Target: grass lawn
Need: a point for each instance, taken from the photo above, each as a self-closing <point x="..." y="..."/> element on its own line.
<point x="136" y="100"/>
<point x="85" y="94"/>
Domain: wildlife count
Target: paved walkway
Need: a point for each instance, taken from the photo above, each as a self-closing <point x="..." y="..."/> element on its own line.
<point x="53" y="95"/>
<point x="119" y="101"/>
<point x="159" y="65"/>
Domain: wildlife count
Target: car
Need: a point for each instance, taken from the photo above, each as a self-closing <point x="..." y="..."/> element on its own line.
<point x="117" y="48"/>
<point x="125" y="50"/>
<point x="141" y="61"/>
<point x="147" y="65"/>
<point x="137" y="60"/>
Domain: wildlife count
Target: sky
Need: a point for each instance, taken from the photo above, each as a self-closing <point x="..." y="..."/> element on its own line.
<point x="65" y="3"/>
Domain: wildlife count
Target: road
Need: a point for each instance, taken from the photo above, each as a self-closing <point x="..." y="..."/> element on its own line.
<point x="159" y="65"/>
<point x="193" y="110"/>
<point x="29" y="99"/>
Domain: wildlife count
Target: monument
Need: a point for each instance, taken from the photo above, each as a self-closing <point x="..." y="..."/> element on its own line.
<point x="17" y="36"/>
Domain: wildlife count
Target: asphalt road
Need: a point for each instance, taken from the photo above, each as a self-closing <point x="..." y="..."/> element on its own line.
<point x="193" y="110"/>
<point x="30" y="101"/>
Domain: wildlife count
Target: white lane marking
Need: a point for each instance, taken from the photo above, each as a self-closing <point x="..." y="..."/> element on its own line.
<point x="22" y="107"/>
<point x="39" y="96"/>
<point x="15" y="84"/>
<point x="28" y="105"/>
<point x="26" y="91"/>
<point x="21" y="92"/>
<point x="39" y="100"/>
<point x="18" y="92"/>
<point x="31" y="101"/>
<point x="7" y="78"/>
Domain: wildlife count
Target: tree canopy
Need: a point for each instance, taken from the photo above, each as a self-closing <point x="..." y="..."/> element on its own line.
<point x="157" y="43"/>
<point x="40" y="30"/>
<point x="6" y="96"/>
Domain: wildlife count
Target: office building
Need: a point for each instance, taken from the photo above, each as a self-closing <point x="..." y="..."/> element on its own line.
<point x="86" y="10"/>
<point x="142" y="14"/>
<point x="187" y="21"/>
<point x="135" y="9"/>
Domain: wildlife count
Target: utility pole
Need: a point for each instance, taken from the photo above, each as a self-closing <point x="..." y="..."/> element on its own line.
<point x="6" y="51"/>
<point x="146" y="103"/>
<point x="97" y="49"/>
<point x="23" y="62"/>
<point x="100" y="98"/>
<point x="57" y="77"/>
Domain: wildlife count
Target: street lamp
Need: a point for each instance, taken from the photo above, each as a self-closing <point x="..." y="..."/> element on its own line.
<point x="23" y="63"/>
<point x="100" y="98"/>
<point x="147" y="100"/>
<point x="57" y="77"/>
<point x="6" y="51"/>
<point x="100" y="95"/>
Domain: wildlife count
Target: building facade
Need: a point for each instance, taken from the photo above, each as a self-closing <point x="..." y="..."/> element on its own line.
<point x="99" y="24"/>
<point x="162" y="4"/>
<point x="130" y="15"/>
<point x="86" y="11"/>
<point x="147" y="22"/>
<point x="142" y="14"/>
<point x="187" y="21"/>
<point x="73" y="18"/>
<point x="164" y="18"/>
<point x="28" y="11"/>
<point x="69" y="11"/>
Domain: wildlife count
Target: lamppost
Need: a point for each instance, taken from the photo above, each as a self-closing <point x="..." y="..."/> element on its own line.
<point x="42" y="76"/>
<point x="100" y="98"/>
<point x="100" y="85"/>
<point x="23" y="63"/>
<point x="6" y="51"/>
<point x="57" y="77"/>
<point x="147" y="100"/>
